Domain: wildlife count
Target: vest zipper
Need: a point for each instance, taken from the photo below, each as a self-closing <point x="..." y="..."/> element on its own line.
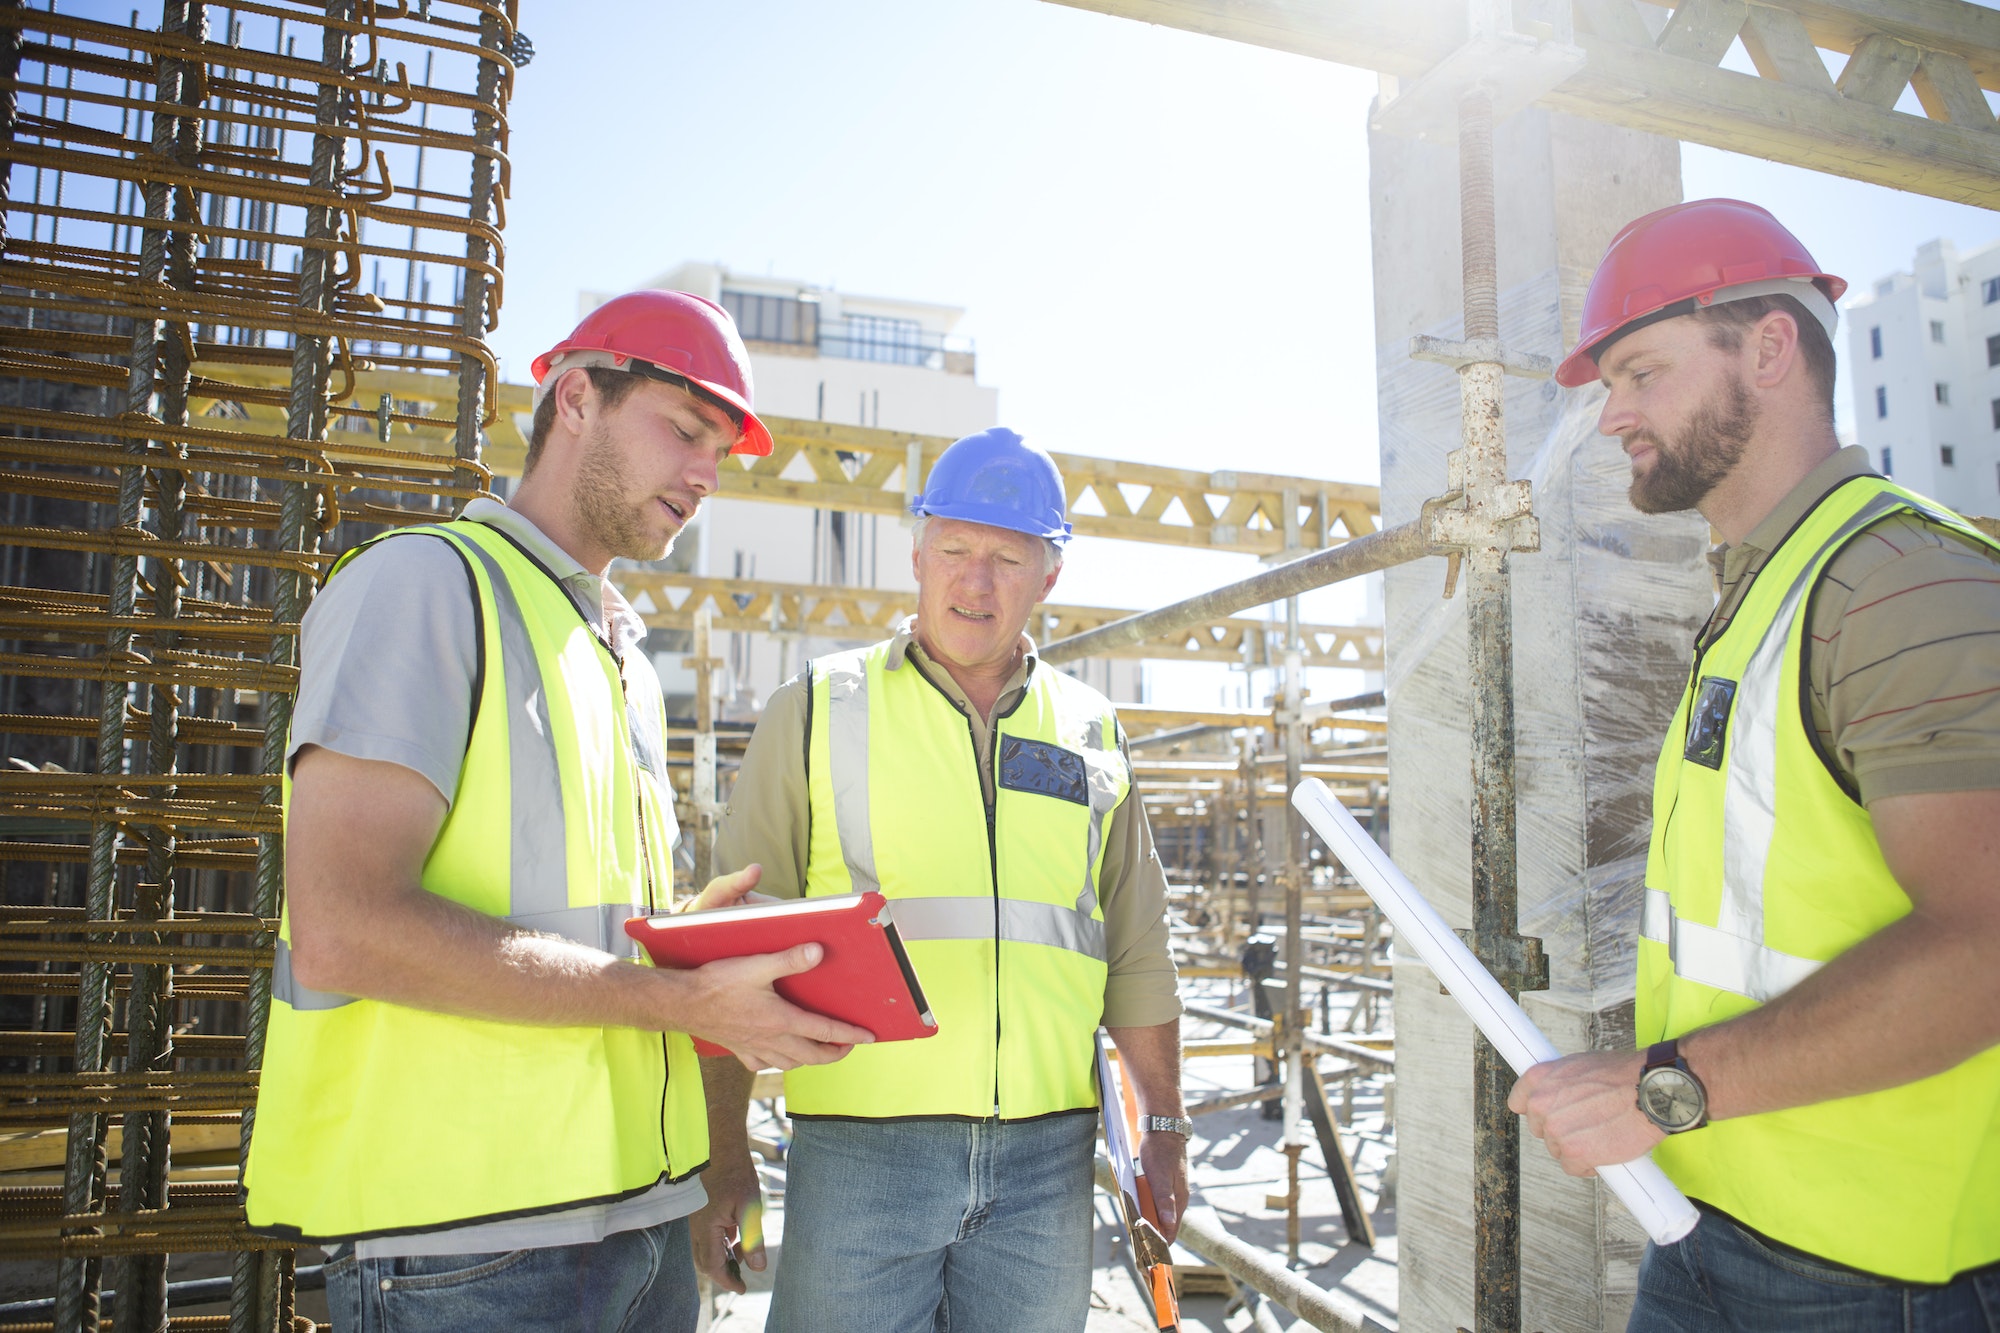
<point x="646" y="872"/>
<point x="993" y="873"/>
<point x="992" y="847"/>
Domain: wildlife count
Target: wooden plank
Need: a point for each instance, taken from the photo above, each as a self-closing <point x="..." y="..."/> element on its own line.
<point x="1659" y="94"/>
<point x="1353" y="1212"/>
<point x="1617" y="20"/>
<point x="1404" y="39"/>
<point x="1878" y="71"/>
<point x="1643" y="90"/>
<point x="1703" y="29"/>
<point x="1949" y="92"/>
<point x="1969" y="31"/>
<point x="1781" y="50"/>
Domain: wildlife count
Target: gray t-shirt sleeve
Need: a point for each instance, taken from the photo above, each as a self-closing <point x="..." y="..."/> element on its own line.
<point x="388" y="654"/>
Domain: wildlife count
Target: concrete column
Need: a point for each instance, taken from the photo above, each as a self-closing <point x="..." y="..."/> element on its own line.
<point x="1603" y="619"/>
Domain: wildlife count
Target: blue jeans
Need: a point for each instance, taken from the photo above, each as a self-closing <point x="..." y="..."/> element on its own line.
<point x="1723" y="1278"/>
<point x="929" y="1226"/>
<point x="638" y="1281"/>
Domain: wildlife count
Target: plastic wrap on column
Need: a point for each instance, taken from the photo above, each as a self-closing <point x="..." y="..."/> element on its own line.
<point x="1603" y="618"/>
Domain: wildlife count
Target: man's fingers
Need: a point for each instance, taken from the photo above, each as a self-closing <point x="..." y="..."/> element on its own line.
<point x="711" y="1252"/>
<point x="728" y="890"/>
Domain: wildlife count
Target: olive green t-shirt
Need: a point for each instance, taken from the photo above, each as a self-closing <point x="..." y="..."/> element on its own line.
<point x="1904" y="660"/>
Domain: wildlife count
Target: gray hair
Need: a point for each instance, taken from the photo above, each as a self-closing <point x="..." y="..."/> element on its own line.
<point x="1052" y="552"/>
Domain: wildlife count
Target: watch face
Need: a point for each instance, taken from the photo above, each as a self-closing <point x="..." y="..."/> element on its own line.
<point x="1671" y="1099"/>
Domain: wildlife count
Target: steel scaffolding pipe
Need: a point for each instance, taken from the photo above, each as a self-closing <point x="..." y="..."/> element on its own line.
<point x="1364" y="555"/>
<point x="1346" y="1050"/>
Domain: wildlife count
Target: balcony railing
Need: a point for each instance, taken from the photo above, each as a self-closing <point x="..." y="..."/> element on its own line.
<point x="863" y="339"/>
<point x="790" y="322"/>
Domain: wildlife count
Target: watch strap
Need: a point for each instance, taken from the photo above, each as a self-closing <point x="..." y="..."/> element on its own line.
<point x="1166" y="1124"/>
<point x="1661" y="1054"/>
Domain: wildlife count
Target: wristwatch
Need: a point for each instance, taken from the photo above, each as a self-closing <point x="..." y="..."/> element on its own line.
<point x="1670" y="1095"/>
<point x="1166" y="1124"/>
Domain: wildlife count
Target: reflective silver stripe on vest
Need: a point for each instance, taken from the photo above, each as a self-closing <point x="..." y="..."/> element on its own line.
<point x="286" y="987"/>
<point x="1730" y="955"/>
<point x="538" y="855"/>
<point x="600" y="925"/>
<point x="847" y="751"/>
<point x="1020" y="923"/>
<point x="1718" y="959"/>
<point x="1103" y="800"/>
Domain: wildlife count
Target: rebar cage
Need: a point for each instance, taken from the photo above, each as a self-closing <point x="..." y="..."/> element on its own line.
<point x="213" y="225"/>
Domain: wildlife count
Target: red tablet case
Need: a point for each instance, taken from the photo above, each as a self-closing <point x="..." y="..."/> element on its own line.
<point x="864" y="977"/>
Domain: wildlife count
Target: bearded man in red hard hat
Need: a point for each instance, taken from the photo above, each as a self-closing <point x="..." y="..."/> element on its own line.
<point x="1818" y="996"/>
<point x="946" y="1183"/>
<point x="473" y="1096"/>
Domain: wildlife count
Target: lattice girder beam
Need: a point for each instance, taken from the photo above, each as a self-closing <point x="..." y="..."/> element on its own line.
<point x="852" y="468"/>
<point x="670" y="601"/>
<point x="1790" y="111"/>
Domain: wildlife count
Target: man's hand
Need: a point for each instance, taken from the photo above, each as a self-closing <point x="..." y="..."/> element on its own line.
<point x="732" y="1217"/>
<point x="731" y="891"/>
<point x="1163" y="1158"/>
<point x="1586" y="1109"/>
<point x="730" y="1002"/>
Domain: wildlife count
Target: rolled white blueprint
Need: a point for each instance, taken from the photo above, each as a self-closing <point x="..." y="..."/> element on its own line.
<point x="1640" y="1184"/>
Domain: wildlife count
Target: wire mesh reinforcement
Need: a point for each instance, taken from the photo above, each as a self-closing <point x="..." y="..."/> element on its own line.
<point x="216" y="219"/>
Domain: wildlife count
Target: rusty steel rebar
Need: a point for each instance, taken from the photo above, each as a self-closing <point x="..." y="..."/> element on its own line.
<point x="163" y="539"/>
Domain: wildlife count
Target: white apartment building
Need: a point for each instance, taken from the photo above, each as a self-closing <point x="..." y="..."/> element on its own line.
<point x="1923" y="356"/>
<point x="826" y="355"/>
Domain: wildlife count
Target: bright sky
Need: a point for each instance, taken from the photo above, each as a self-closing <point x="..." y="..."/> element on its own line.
<point x="1160" y="239"/>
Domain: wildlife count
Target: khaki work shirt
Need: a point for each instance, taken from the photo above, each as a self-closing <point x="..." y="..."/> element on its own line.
<point x="768" y="817"/>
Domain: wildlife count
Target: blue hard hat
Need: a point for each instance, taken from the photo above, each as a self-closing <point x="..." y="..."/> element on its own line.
<point x="999" y="479"/>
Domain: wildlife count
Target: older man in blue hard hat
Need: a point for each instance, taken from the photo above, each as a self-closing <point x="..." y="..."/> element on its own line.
<point x="946" y="1182"/>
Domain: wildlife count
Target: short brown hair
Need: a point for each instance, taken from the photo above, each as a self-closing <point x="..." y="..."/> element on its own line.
<point x="611" y="386"/>
<point x="1727" y="321"/>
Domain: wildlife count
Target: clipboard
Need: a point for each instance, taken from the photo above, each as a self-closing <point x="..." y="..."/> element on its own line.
<point x="1151" y="1255"/>
<point x="864" y="977"/>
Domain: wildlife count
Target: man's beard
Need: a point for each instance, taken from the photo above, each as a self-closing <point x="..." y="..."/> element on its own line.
<point x="1705" y="452"/>
<point x="605" y="507"/>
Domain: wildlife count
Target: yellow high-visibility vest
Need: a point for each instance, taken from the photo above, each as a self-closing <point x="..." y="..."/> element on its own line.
<point x="1002" y="918"/>
<point x="1762" y="868"/>
<point x="376" y="1119"/>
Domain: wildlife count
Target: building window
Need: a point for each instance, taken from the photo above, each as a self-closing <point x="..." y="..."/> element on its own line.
<point x="1937" y="330"/>
<point x="1993" y="350"/>
<point x="1996" y="414"/>
<point x="1882" y="405"/>
<point x="1888" y="469"/>
<point x="1945" y="455"/>
<point x="1875" y="342"/>
<point x="1942" y="392"/>
<point x="1989" y="290"/>
<point x="772" y="319"/>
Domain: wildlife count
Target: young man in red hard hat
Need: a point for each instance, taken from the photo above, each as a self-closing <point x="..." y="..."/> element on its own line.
<point x="946" y="1183"/>
<point x="1818" y="1002"/>
<point x="489" y="1114"/>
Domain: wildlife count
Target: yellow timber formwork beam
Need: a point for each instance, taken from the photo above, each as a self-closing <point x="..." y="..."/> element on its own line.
<point x="671" y="601"/>
<point x="1791" y="110"/>
<point x="1143" y="719"/>
<point x="853" y="468"/>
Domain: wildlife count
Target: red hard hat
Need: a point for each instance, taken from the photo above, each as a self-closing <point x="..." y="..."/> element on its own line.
<point x="1683" y="256"/>
<point x="677" y="331"/>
